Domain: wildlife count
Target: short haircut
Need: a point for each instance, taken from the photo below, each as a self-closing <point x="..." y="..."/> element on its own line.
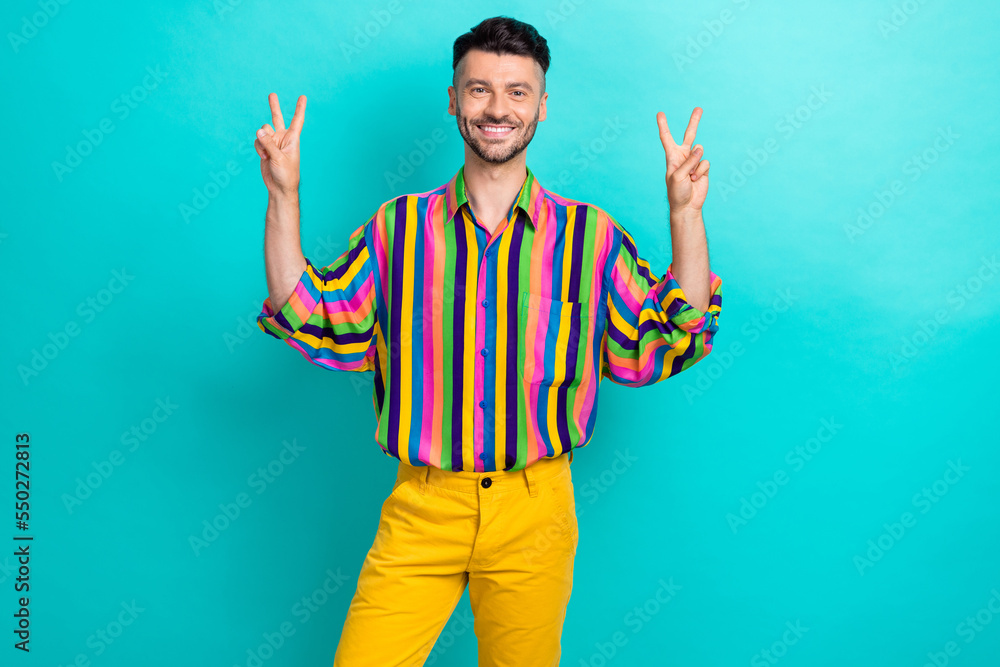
<point x="503" y="35"/>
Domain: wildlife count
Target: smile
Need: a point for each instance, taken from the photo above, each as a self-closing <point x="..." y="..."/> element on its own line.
<point x="495" y="130"/>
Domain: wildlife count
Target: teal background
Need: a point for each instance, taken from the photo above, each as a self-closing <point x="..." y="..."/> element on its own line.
<point x="877" y="338"/>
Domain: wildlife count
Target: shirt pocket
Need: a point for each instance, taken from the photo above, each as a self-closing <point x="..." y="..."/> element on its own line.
<point x="553" y="340"/>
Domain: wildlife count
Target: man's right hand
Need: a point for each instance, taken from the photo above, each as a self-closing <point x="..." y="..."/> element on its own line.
<point x="278" y="148"/>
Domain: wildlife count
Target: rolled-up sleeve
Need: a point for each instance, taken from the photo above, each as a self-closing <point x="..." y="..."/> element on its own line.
<point x="652" y="332"/>
<point x="330" y="317"/>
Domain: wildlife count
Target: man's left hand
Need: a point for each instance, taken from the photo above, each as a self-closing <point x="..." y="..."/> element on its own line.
<point x="687" y="173"/>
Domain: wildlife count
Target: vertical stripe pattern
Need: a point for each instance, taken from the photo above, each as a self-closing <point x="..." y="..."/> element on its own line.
<point x="488" y="349"/>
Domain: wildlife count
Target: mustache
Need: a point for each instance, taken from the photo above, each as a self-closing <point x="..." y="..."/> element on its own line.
<point x="495" y="122"/>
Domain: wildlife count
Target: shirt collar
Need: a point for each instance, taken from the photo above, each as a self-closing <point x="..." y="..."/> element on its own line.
<point x="528" y="198"/>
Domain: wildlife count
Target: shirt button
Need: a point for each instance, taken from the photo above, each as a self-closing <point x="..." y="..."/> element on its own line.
<point x="487" y="482"/>
<point x="482" y="456"/>
<point x="483" y="352"/>
<point x="485" y="303"/>
<point x="482" y="404"/>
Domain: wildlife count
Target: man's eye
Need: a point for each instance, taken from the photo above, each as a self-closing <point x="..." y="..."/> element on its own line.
<point x="520" y="92"/>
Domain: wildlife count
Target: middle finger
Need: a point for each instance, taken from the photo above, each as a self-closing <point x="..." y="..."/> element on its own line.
<point x="692" y="128"/>
<point x="279" y="122"/>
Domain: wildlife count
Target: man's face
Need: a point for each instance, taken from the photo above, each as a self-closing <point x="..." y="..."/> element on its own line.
<point x="497" y="103"/>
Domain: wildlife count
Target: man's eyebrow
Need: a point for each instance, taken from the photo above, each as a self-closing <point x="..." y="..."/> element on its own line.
<point x="510" y="84"/>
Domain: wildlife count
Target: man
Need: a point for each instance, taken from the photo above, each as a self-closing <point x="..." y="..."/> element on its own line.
<point x="490" y="309"/>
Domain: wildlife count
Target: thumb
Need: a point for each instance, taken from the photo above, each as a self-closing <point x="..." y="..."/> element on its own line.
<point x="267" y="141"/>
<point x="688" y="165"/>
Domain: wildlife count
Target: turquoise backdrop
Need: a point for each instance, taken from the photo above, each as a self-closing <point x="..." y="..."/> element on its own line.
<point x="821" y="490"/>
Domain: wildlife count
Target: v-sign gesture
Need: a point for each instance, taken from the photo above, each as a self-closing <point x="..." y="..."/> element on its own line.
<point x="278" y="148"/>
<point x="687" y="174"/>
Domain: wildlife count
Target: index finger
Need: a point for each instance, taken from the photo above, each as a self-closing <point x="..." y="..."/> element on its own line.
<point x="665" y="137"/>
<point x="279" y="122"/>
<point x="692" y="127"/>
<point x="300" y="114"/>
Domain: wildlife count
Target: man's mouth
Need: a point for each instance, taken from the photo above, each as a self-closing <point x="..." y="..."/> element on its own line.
<point x="495" y="130"/>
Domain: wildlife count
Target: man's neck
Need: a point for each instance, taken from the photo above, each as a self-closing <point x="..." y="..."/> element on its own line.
<point x="492" y="188"/>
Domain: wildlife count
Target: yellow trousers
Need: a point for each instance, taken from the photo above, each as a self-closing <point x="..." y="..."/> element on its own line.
<point x="510" y="536"/>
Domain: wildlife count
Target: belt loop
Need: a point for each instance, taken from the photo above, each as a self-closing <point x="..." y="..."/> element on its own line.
<point x="529" y="476"/>
<point x="423" y="477"/>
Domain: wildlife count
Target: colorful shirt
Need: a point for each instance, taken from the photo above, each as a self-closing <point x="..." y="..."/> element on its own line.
<point x="489" y="350"/>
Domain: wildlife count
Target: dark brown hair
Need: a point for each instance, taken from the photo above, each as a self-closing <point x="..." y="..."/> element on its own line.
<point x="503" y="35"/>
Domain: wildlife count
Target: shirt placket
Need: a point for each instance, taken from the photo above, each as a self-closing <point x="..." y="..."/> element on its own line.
<point x="485" y="343"/>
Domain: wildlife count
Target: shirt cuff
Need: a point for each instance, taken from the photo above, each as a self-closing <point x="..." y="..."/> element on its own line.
<point x="686" y="316"/>
<point x="294" y="314"/>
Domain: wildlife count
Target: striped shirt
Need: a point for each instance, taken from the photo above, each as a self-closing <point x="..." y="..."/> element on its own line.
<point x="488" y="350"/>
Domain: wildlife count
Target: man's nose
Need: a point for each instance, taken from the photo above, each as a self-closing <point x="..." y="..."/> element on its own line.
<point x="498" y="107"/>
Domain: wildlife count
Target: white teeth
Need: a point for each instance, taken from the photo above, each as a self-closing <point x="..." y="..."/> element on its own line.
<point x="492" y="130"/>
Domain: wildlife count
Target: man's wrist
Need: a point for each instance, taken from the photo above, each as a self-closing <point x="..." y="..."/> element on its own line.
<point x="283" y="197"/>
<point x="685" y="216"/>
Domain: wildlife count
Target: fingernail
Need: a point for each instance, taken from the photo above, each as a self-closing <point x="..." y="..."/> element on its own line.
<point x="260" y="133"/>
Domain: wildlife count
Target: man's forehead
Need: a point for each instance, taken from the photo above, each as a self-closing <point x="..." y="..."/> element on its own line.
<point x="497" y="68"/>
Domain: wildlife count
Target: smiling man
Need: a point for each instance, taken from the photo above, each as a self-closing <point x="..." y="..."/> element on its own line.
<point x="489" y="309"/>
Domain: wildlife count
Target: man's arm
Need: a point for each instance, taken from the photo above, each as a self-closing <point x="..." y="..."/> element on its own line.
<point x="278" y="148"/>
<point x="657" y="327"/>
<point x="328" y="314"/>
<point x="687" y="188"/>
<point x="282" y="247"/>
<point x="653" y="332"/>
<point x="690" y="257"/>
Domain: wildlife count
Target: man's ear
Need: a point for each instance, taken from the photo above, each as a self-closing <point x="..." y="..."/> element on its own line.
<point x="541" y="109"/>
